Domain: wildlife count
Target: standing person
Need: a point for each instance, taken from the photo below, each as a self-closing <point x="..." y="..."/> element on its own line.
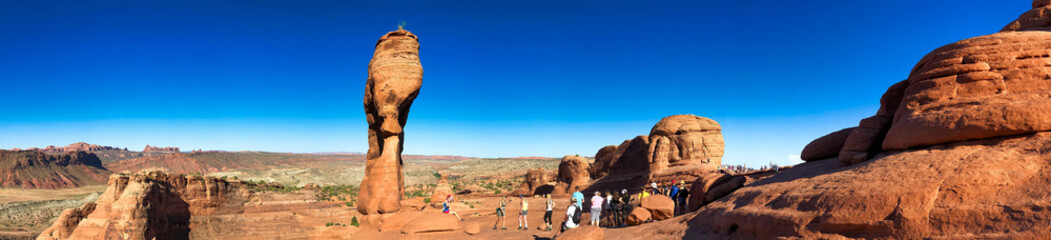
<point x="684" y="193"/>
<point x="607" y="208"/>
<point x="501" y="216"/>
<point x="596" y="208"/>
<point x="445" y="207"/>
<point x="547" y="214"/>
<point x="625" y="203"/>
<point x="615" y="208"/>
<point x="578" y="195"/>
<point x="572" y="217"/>
<point x="674" y="195"/>
<point x="523" y="222"/>
<point x="642" y="195"/>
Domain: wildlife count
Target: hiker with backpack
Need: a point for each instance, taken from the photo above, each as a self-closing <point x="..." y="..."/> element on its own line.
<point x="572" y="220"/>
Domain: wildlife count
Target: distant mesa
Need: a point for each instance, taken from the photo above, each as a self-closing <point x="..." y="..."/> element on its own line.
<point x="35" y="169"/>
<point x="160" y="149"/>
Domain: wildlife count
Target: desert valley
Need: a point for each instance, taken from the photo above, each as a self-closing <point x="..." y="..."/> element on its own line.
<point x="958" y="149"/>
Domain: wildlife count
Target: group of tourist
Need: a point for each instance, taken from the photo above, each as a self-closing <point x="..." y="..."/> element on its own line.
<point x="744" y="169"/>
<point x="615" y="206"/>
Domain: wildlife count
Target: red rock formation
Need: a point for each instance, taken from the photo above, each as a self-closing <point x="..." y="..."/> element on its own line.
<point x="160" y="149"/>
<point x="441" y="190"/>
<point x="604" y="159"/>
<point x="825" y="147"/>
<point x="78" y="146"/>
<point x="589" y="232"/>
<point x="661" y="207"/>
<point x="973" y="120"/>
<point x="35" y="169"/>
<point x="395" y="76"/>
<point x="161" y="206"/>
<point x="685" y="140"/>
<point x="572" y="173"/>
<point x="534" y="179"/>
<point x="638" y="215"/>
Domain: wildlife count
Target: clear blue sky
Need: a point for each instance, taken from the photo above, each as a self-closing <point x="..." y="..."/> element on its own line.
<point x="502" y="78"/>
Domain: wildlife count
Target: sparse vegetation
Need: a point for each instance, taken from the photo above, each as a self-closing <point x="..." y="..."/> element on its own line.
<point x="354" y="221"/>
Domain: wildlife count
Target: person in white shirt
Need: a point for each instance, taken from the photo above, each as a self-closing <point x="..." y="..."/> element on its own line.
<point x="572" y="217"/>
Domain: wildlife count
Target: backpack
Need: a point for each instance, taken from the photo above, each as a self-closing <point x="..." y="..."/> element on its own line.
<point x="576" y="214"/>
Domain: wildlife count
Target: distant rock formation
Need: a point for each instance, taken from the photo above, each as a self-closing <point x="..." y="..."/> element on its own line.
<point x="572" y="173"/>
<point x="395" y="77"/>
<point x="685" y="140"/>
<point x="535" y="179"/>
<point x="35" y="169"/>
<point x="78" y="146"/>
<point x="160" y="149"/>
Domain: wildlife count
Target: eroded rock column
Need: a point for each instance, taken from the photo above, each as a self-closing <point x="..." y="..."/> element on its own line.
<point x="395" y="76"/>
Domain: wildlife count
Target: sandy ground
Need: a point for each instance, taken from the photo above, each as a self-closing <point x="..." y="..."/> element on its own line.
<point x="20" y="194"/>
<point x="484" y="214"/>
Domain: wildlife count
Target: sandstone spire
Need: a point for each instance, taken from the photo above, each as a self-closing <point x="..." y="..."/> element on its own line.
<point x="395" y="76"/>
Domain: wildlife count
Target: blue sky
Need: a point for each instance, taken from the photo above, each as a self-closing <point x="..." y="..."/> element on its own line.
<point x="501" y="78"/>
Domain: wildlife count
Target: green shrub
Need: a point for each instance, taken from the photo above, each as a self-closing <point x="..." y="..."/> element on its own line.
<point x="354" y="221"/>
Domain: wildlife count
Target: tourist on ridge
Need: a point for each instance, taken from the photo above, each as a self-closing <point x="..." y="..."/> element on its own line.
<point x="445" y="207"/>
<point x="572" y="217"/>
<point x="523" y="222"/>
<point x="674" y="195"/>
<point x="655" y="190"/>
<point x="578" y="196"/>
<point x="547" y="214"/>
<point x="642" y="195"/>
<point x="625" y="205"/>
<point x="616" y="207"/>
<point x="596" y="208"/>
<point x="684" y="193"/>
<point x="607" y="207"/>
<point x="501" y="217"/>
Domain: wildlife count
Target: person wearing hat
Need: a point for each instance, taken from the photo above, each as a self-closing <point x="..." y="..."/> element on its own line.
<point x="572" y="217"/>
<point x="523" y="222"/>
<point x="445" y="207"/>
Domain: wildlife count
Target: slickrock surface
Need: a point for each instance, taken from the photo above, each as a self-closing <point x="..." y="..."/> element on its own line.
<point x="395" y="77"/>
<point x="35" y="169"/>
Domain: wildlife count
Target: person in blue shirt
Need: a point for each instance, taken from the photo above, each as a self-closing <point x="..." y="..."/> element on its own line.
<point x="578" y="196"/>
<point x="675" y="196"/>
<point x="445" y="207"/>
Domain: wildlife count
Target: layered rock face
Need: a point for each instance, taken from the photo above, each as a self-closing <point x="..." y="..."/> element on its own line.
<point x="35" y="169"/>
<point x="827" y="146"/>
<point x="152" y="206"/>
<point x="572" y="173"/>
<point x="685" y="140"/>
<point x="395" y="77"/>
<point x="161" y="206"/>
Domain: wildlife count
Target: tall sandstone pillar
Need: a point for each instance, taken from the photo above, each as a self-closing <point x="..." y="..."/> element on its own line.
<point x="395" y="76"/>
